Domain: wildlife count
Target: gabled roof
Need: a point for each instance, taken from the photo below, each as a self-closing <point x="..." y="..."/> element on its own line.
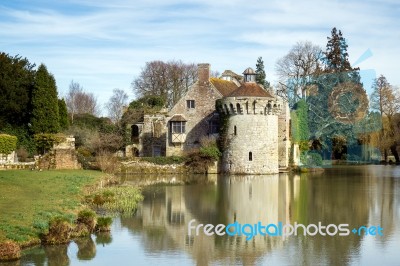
<point x="225" y="87"/>
<point x="250" y="89"/>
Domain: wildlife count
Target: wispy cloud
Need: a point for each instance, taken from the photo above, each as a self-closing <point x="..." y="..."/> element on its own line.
<point x="103" y="44"/>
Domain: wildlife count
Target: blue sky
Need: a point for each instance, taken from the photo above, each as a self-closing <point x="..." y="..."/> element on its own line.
<point x="104" y="44"/>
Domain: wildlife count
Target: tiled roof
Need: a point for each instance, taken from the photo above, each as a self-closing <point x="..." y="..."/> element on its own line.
<point x="250" y="89"/>
<point x="225" y="87"/>
<point x="178" y="118"/>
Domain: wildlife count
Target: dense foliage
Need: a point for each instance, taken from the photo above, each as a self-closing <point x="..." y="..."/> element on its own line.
<point x="8" y="143"/>
<point x="45" y="117"/>
<point x="16" y="84"/>
<point x="45" y="141"/>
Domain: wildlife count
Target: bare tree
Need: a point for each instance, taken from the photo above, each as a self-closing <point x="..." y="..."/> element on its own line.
<point x="116" y="104"/>
<point x="295" y="69"/>
<point x="170" y="80"/>
<point x="80" y="102"/>
<point x="386" y="100"/>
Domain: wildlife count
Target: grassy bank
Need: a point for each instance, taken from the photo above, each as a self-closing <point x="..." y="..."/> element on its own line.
<point x="29" y="199"/>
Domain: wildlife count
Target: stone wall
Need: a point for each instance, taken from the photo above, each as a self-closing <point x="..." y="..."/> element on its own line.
<point x="8" y="158"/>
<point x="61" y="156"/>
<point x="251" y="137"/>
<point x="198" y="118"/>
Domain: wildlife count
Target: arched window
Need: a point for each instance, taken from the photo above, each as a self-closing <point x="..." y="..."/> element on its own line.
<point x="135" y="134"/>
<point x="238" y="109"/>
<point x="250" y="156"/>
<point x="232" y="109"/>
<point x="234" y="130"/>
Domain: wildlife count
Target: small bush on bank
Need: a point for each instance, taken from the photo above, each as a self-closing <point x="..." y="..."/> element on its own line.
<point x="104" y="224"/>
<point x="88" y="218"/>
<point x="199" y="160"/>
<point x="164" y="160"/>
<point x="59" y="231"/>
<point x="9" y="250"/>
<point x="80" y="230"/>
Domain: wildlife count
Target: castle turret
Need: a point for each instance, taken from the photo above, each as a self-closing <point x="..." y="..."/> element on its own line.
<point x="249" y="129"/>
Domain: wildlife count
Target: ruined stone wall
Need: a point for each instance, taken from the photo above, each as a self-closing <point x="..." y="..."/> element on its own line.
<point x="153" y="135"/>
<point x="197" y="124"/>
<point x="61" y="156"/>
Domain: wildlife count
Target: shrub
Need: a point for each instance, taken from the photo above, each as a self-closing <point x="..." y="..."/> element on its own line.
<point x="9" y="250"/>
<point x="164" y="160"/>
<point x="107" y="162"/>
<point x="80" y="230"/>
<point x="59" y="231"/>
<point x="311" y="159"/>
<point x="116" y="199"/>
<point x="22" y="154"/>
<point x="103" y="224"/>
<point x="8" y="143"/>
<point x="88" y="218"/>
<point x="45" y="141"/>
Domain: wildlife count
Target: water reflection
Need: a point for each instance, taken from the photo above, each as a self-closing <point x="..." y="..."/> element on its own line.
<point x="157" y="234"/>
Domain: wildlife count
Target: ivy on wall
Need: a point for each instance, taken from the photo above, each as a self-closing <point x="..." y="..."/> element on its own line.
<point x="8" y="143"/>
<point x="45" y="141"/>
<point x="300" y="130"/>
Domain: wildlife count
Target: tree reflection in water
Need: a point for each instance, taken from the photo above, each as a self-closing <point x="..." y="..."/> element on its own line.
<point x="363" y="195"/>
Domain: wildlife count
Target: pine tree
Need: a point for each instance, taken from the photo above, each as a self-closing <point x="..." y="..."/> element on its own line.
<point x="63" y="114"/>
<point x="337" y="58"/>
<point x="45" y="116"/>
<point x="260" y="73"/>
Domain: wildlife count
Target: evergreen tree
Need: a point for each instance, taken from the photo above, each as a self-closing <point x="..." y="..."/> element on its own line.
<point x="45" y="116"/>
<point x="16" y="84"/>
<point x="63" y="114"/>
<point x="260" y="73"/>
<point x="337" y="58"/>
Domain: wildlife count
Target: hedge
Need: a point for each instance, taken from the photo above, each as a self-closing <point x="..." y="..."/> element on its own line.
<point x="8" y="143"/>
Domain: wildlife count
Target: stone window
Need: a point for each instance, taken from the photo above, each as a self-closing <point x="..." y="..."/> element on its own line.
<point x="213" y="126"/>
<point x="234" y="130"/>
<point x="190" y="104"/>
<point x="156" y="151"/>
<point x="178" y="127"/>
<point x="250" y="156"/>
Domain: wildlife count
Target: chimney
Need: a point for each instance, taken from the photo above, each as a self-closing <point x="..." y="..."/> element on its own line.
<point x="203" y="73"/>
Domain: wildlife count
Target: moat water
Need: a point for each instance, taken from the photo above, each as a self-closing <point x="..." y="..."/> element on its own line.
<point x="158" y="233"/>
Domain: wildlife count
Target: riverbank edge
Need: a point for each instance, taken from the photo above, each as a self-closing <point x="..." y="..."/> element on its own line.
<point x="104" y="181"/>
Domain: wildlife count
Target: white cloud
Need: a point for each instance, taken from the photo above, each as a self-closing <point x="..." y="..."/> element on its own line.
<point x="103" y="44"/>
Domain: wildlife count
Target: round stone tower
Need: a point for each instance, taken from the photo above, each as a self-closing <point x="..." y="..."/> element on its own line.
<point x="249" y="129"/>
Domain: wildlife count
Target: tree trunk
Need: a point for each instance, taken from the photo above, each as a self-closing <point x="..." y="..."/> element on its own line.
<point x="394" y="152"/>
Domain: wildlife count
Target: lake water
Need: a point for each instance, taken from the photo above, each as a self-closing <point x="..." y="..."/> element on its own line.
<point x="158" y="233"/>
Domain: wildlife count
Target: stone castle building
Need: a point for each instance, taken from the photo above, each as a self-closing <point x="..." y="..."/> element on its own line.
<point x="253" y="123"/>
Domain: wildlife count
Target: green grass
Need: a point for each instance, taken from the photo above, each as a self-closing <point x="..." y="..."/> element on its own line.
<point x="29" y="199"/>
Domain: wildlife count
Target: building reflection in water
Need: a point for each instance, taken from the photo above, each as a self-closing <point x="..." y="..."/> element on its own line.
<point x="166" y="212"/>
<point x="358" y="196"/>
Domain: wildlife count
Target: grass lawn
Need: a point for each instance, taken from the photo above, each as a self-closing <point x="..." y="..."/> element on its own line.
<point x="28" y="199"/>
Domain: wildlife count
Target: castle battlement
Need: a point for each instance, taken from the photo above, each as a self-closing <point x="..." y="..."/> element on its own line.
<point x="249" y="106"/>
